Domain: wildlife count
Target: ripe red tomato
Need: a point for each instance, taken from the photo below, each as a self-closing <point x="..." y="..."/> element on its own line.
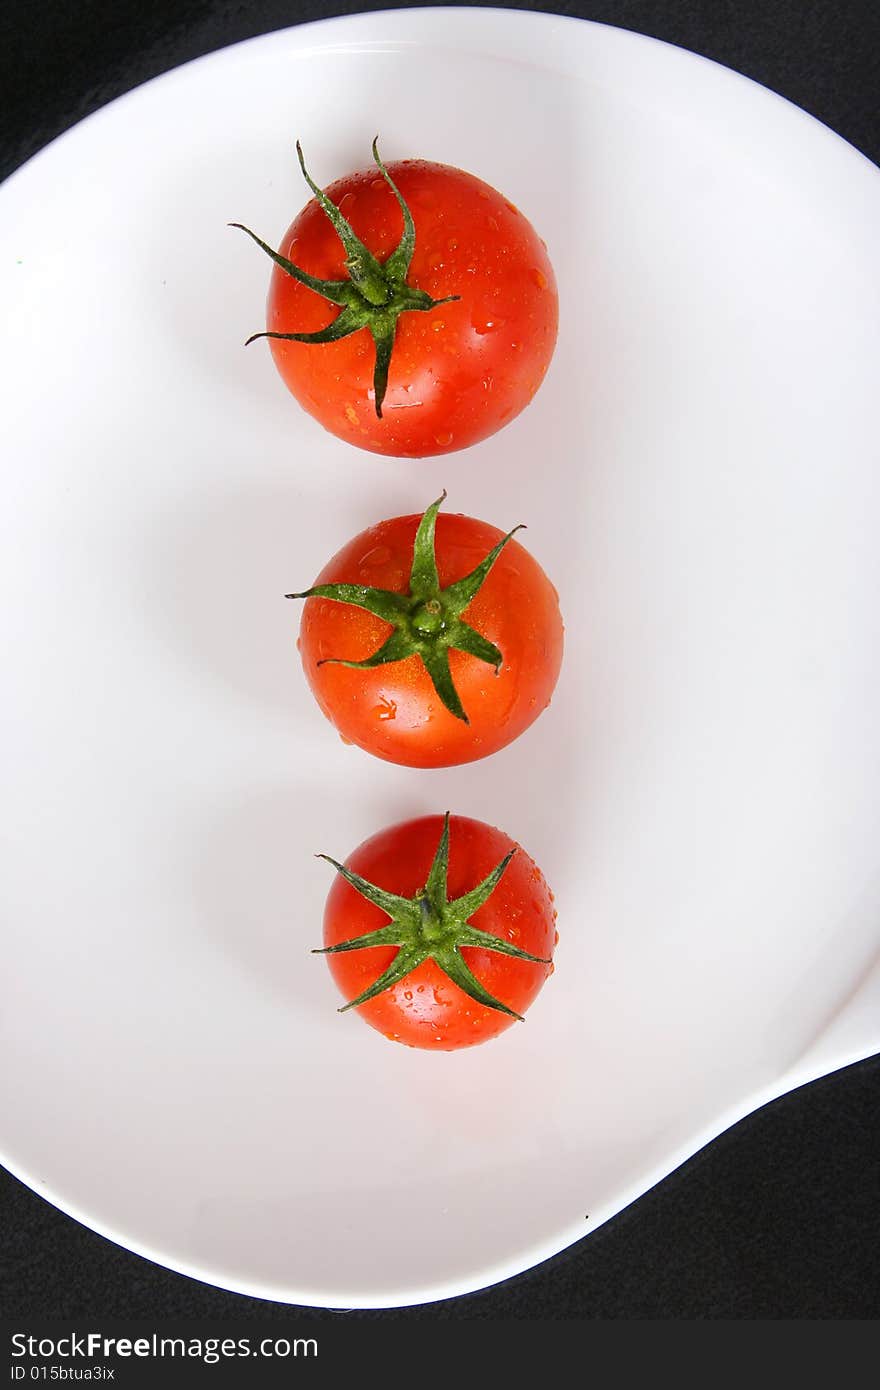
<point x="458" y="370"/>
<point x="401" y="708"/>
<point x="422" y="867"/>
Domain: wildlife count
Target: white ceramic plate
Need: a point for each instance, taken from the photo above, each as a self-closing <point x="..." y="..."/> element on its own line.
<point x="700" y="476"/>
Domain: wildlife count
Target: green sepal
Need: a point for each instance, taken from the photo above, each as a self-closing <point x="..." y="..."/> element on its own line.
<point x="463" y="638"/>
<point x="395" y="906"/>
<point x="383" y="341"/>
<point x="361" y="264"/>
<point x="374" y="296"/>
<point x="460" y="594"/>
<point x="404" y="963"/>
<point x="435" y="883"/>
<point x="337" y="291"/>
<point x="382" y="603"/>
<point x="474" y="900"/>
<point x="430" y="927"/>
<point x="436" y="661"/>
<point x="485" y="941"/>
<point x="382" y="936"/>
<point x="396" y="647"/>
<point x="398" y="263"/>
<point x="342" y="326"/>
<point x="427" y="620"/>
<point x="462" y="975"/>
<point x="424" y="581"/>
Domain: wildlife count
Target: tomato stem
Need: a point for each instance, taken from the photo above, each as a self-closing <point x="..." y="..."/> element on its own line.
<point x="375" y="294"/>
<point x="430" y="927"/>
<point x="426" y="622"/>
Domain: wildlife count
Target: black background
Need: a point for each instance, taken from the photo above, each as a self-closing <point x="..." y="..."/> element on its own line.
<point x="780" y="1217"/>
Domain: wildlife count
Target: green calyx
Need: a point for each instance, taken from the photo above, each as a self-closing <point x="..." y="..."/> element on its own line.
<point x="374" y="296"/>
<point x="427" y="621"/>
<point x="429" y="927"/>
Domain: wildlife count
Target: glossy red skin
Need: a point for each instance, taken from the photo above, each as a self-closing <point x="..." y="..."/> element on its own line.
<point x="458" y="372"/>
<point x="393" y="711"/>
<point x="426" y="1009"/>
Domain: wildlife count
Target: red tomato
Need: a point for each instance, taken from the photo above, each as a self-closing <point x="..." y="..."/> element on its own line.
<point x="426" y="1008"/>
<point x="394" y="711"/>
<point x="458" y="371"/>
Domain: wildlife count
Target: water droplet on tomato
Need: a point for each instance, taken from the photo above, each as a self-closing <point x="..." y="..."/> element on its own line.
<point x="486" y="322"/>
<point x="347" y="741"/>
<point x="351" y="414"/>
<point x="512" y="933"/>
<point x="511" y="207"/>
<point x="556" y="938"/>
<point x="377" y="183"/>
<point x="487" y="382"/>
<point x="539" y="278"/>
<point x="452" y="244"/>
<point x="443" y="439"/>
<point x="299" y="644"/>
<point x="407" y="994"/>
<point x="438" y="325"/>
<point x="386" y="709"/>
